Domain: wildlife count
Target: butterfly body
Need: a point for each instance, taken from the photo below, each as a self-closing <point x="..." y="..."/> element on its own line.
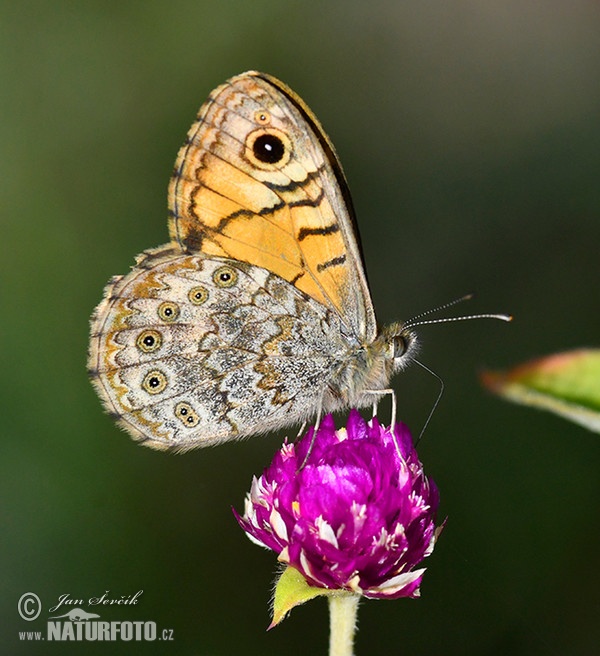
<point x="257" y="315"/>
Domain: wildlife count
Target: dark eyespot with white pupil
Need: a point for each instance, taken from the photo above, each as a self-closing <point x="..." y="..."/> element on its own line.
<point x="149" y="341"/>
<point x="198" y="295"/>
<point x="268" y="148"/>
<point x="185" y="412"/>
<point x="225" y="276"/>
<point x="168" y="311"/>
<point x="154" y="382"/>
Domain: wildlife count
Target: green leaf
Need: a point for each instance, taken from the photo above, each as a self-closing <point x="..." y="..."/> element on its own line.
<point x="567" y="384"/>
<point x="292" y="590"/>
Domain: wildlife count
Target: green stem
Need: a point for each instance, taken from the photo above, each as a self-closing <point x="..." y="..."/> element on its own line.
<point x="342" y="623"/>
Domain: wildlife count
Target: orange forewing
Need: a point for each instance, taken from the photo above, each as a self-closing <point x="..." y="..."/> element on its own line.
<point x="292" y="217"/>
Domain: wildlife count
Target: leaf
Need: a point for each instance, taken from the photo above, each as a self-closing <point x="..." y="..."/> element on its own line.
<point x="292" y="590"/>
<point x="567" y="384"/>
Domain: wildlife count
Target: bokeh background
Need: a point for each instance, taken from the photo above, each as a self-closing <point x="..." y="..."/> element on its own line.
<point x="470" y="135"/>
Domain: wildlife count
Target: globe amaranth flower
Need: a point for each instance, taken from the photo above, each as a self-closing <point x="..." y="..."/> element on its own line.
<point x="358" y="515"/>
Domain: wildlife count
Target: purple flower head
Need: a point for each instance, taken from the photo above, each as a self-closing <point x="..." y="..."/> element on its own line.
<point x="358" y="515"/>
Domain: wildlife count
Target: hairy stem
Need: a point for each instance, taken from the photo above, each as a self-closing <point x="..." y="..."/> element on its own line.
<point x="342" y="623"/>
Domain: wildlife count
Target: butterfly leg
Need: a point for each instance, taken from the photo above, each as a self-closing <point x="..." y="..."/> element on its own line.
<point x="394" y="408"/>
<point x="375" y="404"/>
<point x="389" y="391"/>
<point x="312" y="439"/>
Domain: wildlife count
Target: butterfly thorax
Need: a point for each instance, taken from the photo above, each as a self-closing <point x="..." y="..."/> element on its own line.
<point x="369" y="368"/>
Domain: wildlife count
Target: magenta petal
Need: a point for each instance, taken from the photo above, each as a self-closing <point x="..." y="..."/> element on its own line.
<point x="358" y="515"/>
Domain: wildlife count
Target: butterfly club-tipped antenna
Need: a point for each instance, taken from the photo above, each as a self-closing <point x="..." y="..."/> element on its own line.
<point x="419" y="321"/>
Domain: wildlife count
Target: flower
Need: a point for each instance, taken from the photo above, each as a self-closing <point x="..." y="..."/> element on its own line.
<point x="357" y="514"/>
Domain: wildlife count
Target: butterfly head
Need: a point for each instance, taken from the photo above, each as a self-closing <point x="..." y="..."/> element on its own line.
<point x="374" y="364"/>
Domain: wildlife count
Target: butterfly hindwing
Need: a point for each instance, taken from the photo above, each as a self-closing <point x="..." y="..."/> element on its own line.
<point x="190" y="350"/>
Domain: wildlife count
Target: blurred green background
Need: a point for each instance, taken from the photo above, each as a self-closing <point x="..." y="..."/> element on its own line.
<point x="470" y="134"/>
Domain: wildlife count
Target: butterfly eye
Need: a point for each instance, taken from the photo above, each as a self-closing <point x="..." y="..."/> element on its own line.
<point x="168" y="311"/>
<point x="225" y="276"/>
<point x="400" y="346"/>
<point x="149" y="341"/>
<point x="154" y="382"/>
<point x="198" y="295"/>
<point x="268" y="148"/>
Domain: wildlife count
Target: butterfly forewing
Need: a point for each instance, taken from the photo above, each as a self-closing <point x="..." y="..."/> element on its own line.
<point x="258" y="181"/>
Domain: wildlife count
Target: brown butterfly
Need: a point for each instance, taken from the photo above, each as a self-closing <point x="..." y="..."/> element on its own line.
<point x="258" y="314"/>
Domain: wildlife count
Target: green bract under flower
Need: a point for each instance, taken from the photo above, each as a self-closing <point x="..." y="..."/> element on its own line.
<point x="358" y="515"/>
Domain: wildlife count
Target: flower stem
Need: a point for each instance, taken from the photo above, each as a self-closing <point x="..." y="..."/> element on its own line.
<point x="342" y="623"/>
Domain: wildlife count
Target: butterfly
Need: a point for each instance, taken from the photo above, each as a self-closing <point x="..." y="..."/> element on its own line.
<point x="257" y="315"/>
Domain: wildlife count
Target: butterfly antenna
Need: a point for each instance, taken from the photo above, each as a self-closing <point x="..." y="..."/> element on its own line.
<point x="416" y="320"/>
<point x="445" y="306"/>
<point x="419" y="321"/>
<point x="437" y="401"/>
